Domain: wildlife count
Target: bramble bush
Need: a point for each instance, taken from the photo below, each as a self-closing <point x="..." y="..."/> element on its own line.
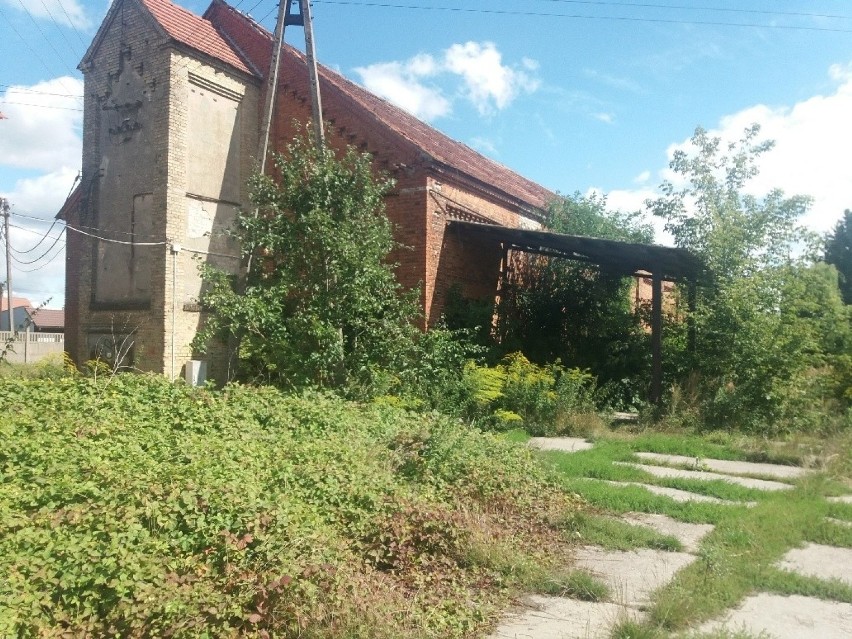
<point x="134" y="507"/>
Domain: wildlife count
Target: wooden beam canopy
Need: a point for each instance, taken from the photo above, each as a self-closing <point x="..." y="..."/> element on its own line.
<point x="662" y="263"/>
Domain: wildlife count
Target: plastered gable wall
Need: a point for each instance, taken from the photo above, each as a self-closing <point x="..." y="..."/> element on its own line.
<point x="118" y="302"/>
<point x="213" y="134"/>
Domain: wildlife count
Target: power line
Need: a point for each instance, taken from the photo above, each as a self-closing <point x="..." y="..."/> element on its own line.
<point x="58" y="28"/>
<point x="41" y="106"/>
<point x="44" y="35"/>
<point x="83" y="226"/>
<point x="605" y="3"/>
<point x="73" y="26"/>
<point x="16" y="88"/>
<point x="543" y="14"/>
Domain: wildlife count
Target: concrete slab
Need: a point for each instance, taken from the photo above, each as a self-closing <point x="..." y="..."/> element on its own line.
<point x="677" y="473"/>
<point x="631" y="576"/>
<point x="679" y="495"/>
<point x="822" y="562"/>
<point x="560" y="618"/>
<point x="793" y="617"/>
<point x="564" y="444"/>
<point x="727" y="467"/>
<point x="838" y="522"/>
<point x="690" y="535"/>
<point x="842" y="499"/>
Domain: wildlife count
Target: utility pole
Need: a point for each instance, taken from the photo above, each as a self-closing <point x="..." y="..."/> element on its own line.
<point x="311" y="57"/>
<point x="4" y="211"/>
<point x="285" y="19"/>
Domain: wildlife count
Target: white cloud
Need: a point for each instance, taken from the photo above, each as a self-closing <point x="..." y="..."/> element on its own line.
<point x="400" y="83"/>
<point x="486" y="82"/>
<point x="643" y="177"/>
<point x="606" y="118"/>
<point x="812" y="138"/>
<point x="65" y="12"/>
<point x="489" y="83"/>
<point x="42" y="125"/>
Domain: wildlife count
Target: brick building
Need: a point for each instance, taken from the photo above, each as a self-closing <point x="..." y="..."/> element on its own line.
<point x="171" y="128"/>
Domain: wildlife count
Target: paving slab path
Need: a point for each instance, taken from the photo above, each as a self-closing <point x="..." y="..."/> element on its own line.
<point x="676" y="494"/>
<point x="793" y="617"/>
<point x="842" y="499"/>
<point x="633" y="576"/>
<point x="678" y="473"/>
<point x="564" y="444"/>
<point x="822" y="562"/>
<point x="726" y="466"/>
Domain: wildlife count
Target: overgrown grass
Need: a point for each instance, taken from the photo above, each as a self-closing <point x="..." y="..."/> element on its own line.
<point x="131" y="506"/>
<point x="614" y="534"/>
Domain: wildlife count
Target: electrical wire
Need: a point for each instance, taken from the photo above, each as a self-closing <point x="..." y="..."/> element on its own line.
<point x="58" y="28"/>
<point x="83" y="226"/>
<point x="73" y="26"/>
<point x="42" y="266"/>
<point x="544" y="14"/>
<point x="606" y="3"/>
<point x="40" y="106"/>
<point x="37" y="244"/>
<point x="44" y="35"/>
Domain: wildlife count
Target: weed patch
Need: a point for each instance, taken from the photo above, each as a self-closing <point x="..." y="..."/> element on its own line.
<point x="131" y="506"/>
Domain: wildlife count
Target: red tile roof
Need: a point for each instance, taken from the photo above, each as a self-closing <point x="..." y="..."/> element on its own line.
<point x="16" y="302"/>
<point x="236" y="39"/>
<point x="47" y="317"/>
<point x="195" y="32"/>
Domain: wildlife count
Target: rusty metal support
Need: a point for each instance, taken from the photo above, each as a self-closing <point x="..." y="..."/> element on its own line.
<point x="656" y="337"/>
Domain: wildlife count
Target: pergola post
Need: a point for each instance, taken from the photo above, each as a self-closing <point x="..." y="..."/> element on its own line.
<point x="656" y="336"/>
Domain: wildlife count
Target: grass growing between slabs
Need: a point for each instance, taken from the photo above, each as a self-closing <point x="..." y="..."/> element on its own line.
<point x="614" y="534"/>
<point x="737" y="558"/>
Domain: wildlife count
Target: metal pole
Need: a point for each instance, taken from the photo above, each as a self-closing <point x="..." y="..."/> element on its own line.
<point x="656" y="336"/>
<point x="272" y="81"/>
<point x="310" y="54"/>
<point x="4" y="209"/>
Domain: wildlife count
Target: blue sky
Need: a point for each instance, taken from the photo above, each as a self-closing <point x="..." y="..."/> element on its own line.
<point x="579" y="96"/>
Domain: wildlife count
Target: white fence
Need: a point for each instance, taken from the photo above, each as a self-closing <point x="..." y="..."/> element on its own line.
<point x="28" y="347"/>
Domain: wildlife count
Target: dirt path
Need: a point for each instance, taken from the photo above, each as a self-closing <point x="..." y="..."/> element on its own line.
<point x="633" y="576"/>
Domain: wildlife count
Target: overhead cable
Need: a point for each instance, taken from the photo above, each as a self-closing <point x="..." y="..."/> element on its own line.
<point x="544" y="14"/>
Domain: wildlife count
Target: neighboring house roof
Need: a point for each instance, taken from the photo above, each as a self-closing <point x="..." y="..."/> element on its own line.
<point x="234" y="38"/>
<point x="47" y="318"/>
<point x="17" y="302"/>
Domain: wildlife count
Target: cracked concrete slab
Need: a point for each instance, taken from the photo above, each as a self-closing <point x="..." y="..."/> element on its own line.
<point x="632" y="575"/>
<point x="842" y="499"/>
<point x="679" y="495"/>
<point x="677" y="473"/>
<point x="560" y="618"/>
<point x="727" y="467"/>
<point x="793" y="617"/>
<point x="564" y="444"/>
<point x="822" y="562"/>
<point x="689" y="535"/>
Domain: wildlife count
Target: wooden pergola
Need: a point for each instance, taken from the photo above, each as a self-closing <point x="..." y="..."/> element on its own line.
<point x="660" y="263"/>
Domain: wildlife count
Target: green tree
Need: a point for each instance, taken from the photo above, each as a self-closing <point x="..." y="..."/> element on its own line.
<point x="577" y="313"/>
<point x="319" y="306"/>
<point x="838" y="251"/>
<point x="761" y="322"/>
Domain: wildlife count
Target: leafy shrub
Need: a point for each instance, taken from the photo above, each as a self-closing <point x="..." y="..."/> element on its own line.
<point x="134" y="507"/>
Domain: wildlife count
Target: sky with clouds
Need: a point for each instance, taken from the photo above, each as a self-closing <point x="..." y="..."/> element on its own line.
<point x="578" y="95"/>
